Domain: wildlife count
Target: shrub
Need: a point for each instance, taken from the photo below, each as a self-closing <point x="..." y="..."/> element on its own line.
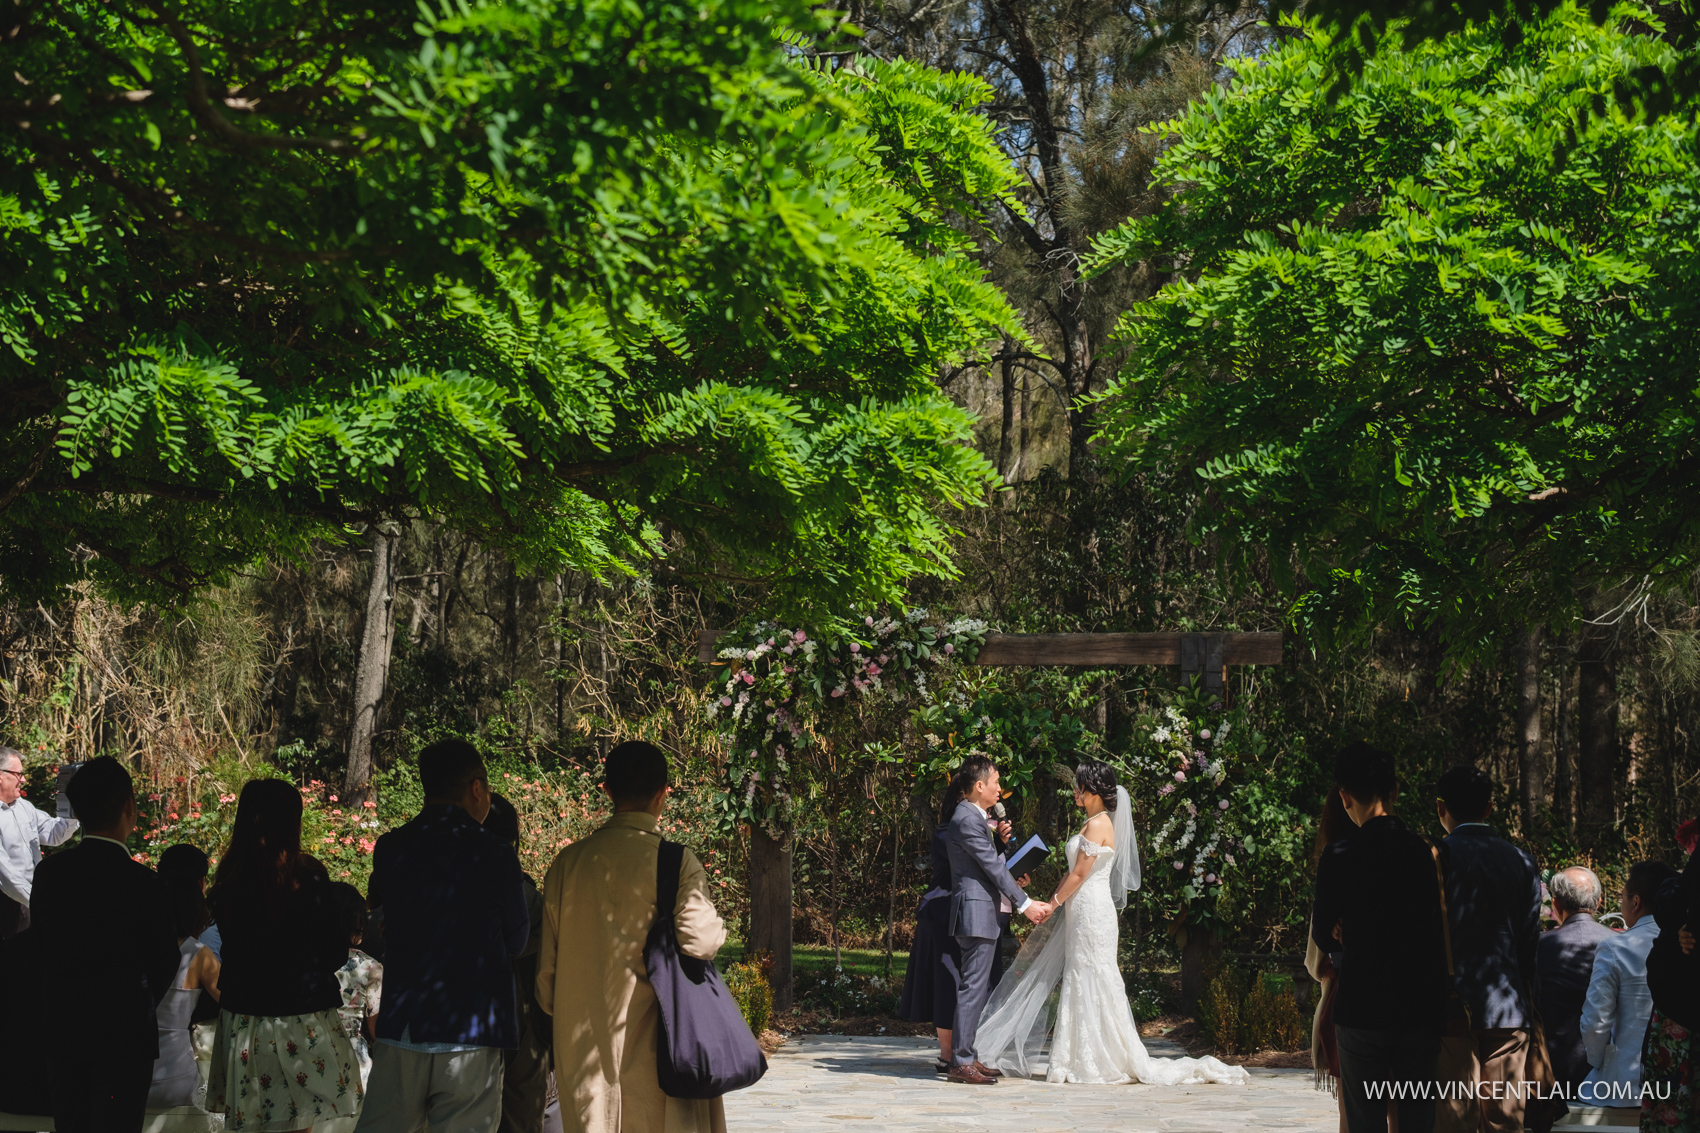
<point x="1240" y="1015"/>
<point x="754" y="996"/>
<point x="841" y="993"/>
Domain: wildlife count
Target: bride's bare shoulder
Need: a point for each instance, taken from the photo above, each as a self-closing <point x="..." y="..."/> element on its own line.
<point x="1100" y="829"/>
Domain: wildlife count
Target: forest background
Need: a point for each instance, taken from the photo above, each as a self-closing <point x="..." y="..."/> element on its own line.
<point x="334" y="657"/>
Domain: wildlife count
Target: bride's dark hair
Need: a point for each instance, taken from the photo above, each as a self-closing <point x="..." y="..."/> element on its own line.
<point x="1097" y="779"/>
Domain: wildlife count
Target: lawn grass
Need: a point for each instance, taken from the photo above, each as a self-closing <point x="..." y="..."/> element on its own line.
<point x="819" y="958"/>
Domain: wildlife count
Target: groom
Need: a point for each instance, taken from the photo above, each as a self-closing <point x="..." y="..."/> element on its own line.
<point x="978" y="878"/>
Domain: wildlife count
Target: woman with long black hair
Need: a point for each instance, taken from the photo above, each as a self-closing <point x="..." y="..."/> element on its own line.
<point x="281" y="1062"/>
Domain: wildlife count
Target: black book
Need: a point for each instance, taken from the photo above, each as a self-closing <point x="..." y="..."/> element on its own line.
<point x="1029" y="857"/>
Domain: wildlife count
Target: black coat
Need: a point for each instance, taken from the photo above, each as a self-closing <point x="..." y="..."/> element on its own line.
<point x="1379" y="884"/>
<point x="282" y="947"/>
<point x="102" y="919"/>
<point x="1493" y="900"/>
<point x="1673" y="978"/>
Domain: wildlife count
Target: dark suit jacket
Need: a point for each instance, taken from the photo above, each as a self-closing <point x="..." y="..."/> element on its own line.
<point x="979" y="875"/>
<point x="102" y="919"/>
<point x="455" y="918"/>
<point x="1378" y="883"/>
<point x="1565" y="958"/>
<point x="24" y="1063"/>
<point x="1493" y="900"/>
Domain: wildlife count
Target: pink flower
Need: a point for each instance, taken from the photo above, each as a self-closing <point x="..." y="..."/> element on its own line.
<point x="1180" y="776"/>
<point x="1210" y="878"/>
<point x="1222" y="805"/>
<point x="1166" y="789"/>
<point x="369" y="805"/>
<point x="1204" y="733"/>
<point x="949" y="648"/>
<point x="1180" y="865"/>
<point x="749" y="677"/>
<point x="172" y="816"/>
<point x="855" y="648"/>
<point x="799" y="637"/>
<point x="725" y="702"/>
<point x="838" y="692"/>
<point x="333" y="798"/>
<point x="873" y="670"/>
<point x="868" y="621"/>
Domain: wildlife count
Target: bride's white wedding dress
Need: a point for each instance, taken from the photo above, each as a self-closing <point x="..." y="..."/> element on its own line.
<point x="1094" y="1038"/>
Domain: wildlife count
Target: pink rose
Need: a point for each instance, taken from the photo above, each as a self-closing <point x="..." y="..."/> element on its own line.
<point x="1222" y="805"/>
<point x="949" y="648"/>
<point x="1180" y="776"/>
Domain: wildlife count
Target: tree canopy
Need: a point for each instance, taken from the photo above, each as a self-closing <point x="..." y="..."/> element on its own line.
<point x="1415" y="347"/>
<point x="600" y="280"/>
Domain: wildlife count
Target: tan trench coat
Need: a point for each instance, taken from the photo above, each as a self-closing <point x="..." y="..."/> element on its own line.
<point x="598" y="905"/>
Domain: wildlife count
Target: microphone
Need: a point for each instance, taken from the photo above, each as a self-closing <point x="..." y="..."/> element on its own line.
<point x="998" y="815"/>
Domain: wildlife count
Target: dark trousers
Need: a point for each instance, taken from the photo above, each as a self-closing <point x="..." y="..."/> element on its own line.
<point x="525" y="1085"/>
<point x="104" y="1092"/>
<point x="979" y="953"/>
<point x="14" y="918"/>
<point x="1374" y="1064"/>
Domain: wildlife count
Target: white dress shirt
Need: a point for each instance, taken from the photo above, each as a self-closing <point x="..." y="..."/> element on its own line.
<point x="1003" y="901"/>
<point x="1615" y="1014"/>
<point x="24" y="830"/>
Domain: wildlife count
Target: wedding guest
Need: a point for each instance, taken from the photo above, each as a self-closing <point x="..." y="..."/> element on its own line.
<point x="598" y="906"/>
<point x="360" y="979"/>
<point x="1618" y="1004"/>
<point x="1378" y="906"/>
<point x="1493" y="904"/>
<point x="102" y="919"/>
<point x="1671" y="1094"/>
<point x="191" y="863"/>
<point x="24" y="830"/>
<point x="23" y="1054"/>
<point x="1565" y="958"/>
<point x="454" y="919"/>
<point x="1324" y="1053"/>
<point x="929" y="982"/>
<point x="525" y="1069"/>
<point x="283" y="1063"/>
<point x="175" y="1075"/>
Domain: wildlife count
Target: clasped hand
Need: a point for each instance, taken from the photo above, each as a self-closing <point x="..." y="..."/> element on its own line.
<point x="1038" y="912"/>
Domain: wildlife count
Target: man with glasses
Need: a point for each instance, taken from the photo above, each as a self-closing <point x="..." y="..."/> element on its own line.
<point x="24" y="830"/>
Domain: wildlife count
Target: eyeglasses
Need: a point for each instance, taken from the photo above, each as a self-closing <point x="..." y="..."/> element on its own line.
<point x="9" y="771"/>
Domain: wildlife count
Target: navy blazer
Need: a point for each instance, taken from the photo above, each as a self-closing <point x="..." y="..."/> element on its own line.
<point x="455" y="918"/>
<point x="1493" y="903"/>
<point x="979" y="875"/>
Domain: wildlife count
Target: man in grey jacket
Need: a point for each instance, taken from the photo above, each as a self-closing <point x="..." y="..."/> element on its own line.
<point x="1566" y="961"/>
<point x="1493" y="905"/>
<point x="979" y="878"/>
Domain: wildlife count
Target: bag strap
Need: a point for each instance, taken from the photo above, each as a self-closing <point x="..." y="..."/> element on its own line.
<point x="668" y="864"/>
<point x="1445" y="918"/>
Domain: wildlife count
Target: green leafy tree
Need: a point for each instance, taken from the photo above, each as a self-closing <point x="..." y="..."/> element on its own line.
<point x="1415" y="347"/>
<point x="602" y="281"/>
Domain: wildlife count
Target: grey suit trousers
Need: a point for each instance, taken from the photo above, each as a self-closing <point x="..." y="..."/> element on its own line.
<point x="973" y="988"/>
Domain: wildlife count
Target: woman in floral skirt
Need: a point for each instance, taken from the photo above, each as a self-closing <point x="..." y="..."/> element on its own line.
<point x="1669" y="1101"/>
<point x="281" y="1062"/>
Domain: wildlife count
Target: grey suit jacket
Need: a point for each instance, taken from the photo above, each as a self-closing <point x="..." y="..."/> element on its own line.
<point x="1565" y="957"/>
<point x="1493" y="905"/>
<point x="978" y="874"/>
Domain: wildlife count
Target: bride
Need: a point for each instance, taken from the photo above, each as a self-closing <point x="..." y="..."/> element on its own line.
<point x="1093" y="1038"/>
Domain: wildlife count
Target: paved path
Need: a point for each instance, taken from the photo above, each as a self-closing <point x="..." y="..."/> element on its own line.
<point x="887" y="1085"/>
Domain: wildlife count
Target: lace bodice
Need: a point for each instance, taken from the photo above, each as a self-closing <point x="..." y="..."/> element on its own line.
<point x="1105" y="854"/>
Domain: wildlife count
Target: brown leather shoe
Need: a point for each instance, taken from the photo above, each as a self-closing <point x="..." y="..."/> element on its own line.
<point x="970" y="1076"/>
<point x="988" y="1071"/>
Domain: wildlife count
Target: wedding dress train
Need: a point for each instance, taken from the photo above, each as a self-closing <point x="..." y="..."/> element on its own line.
<point x="1094" y="1038"/>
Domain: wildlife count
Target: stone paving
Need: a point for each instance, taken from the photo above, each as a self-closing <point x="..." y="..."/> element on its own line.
<point x="887" y="1085"/>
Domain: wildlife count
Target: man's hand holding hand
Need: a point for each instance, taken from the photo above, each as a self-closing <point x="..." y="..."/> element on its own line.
<point x="1038" y="912"/>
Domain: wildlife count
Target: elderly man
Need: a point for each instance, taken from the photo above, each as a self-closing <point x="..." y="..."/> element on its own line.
<point x="1614" y="1016"/>
<point x="1565" y="960"/>
<point x="24" y="830"/>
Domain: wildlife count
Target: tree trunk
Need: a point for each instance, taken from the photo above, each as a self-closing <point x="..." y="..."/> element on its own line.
<point x="770" y="907"/>
<point x="1008" y="409"/>
<point x="1198" y="956"/>
<point x="1531" y="769"/>
<point x="372" y="670"/>
<point x="1596" y="764"/>
<point x="1564" y="756"/>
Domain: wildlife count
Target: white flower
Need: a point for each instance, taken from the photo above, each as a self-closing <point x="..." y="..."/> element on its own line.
<point x="1161" y="735"/>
